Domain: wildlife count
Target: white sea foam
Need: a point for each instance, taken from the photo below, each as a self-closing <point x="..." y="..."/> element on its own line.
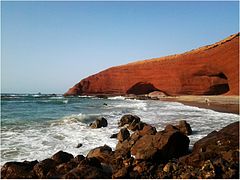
<point x="117" y="97"/>
<point x="43" y="143"/>
<point x="65" y="101"/>
<point x="139" y="105"/>
<point x="36" y="95"/>
<point x="75" y="118"/>
<point x="57" y="97"/>
<point x="85" y="96"/>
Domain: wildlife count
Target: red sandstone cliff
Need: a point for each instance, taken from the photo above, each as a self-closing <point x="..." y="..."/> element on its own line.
<point x="208" y="70"/>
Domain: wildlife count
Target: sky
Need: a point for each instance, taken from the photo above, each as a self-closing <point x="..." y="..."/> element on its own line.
<point x="48" y="46"/>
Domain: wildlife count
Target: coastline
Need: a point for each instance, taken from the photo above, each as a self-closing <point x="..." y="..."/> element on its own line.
<point x="226" y="104"/>
<point x="142" y="151"/>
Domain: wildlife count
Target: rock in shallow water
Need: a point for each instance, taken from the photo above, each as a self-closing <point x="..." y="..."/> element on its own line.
<point x="99" y="122"/>
<point x="79" y="145"/>
<point x="114" y="135"/>
<point x="184" y="127"/>
<point x="128" y="119"/>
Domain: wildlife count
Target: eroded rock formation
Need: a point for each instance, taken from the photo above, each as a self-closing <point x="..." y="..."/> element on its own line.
<point x="209" y="70"/>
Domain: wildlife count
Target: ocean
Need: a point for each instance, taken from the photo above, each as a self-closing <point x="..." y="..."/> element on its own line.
<point x="37" y="126"/>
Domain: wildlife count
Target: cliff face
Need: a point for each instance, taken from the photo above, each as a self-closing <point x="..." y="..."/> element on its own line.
<point x="209" y="70"/>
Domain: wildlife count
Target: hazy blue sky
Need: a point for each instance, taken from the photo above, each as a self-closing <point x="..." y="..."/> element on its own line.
<point x="49" y="46"/>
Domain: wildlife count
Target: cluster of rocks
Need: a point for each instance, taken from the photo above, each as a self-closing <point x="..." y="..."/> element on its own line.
<point x="143" y="152"/>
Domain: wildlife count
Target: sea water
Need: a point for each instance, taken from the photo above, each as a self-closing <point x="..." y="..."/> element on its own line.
<point x="36" y="126"/>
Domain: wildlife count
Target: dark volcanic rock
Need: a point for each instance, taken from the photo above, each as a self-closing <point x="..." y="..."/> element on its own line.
<point x="136" y="125"/>
<point x="147" y="129"/>
<point x="78" y="159"/>
<point x="220" y="150"/>
<point x="99" y="122"/>
<point x="79" y="145"/>
<point x="91" y="161"/>
<point x="42" y="168"/>
<point x="87" y="172"/>
<point x="114" y="135"/>
<point x="225" y="139"/>
<point x="132" y="121"/>
<point x="128" y="119"/>
<point x="120" y="173"/>
<point x="103" y="153"/>
<point x="165" y="145"/>
<point x="62" y="157"/>
<point x="123" y="134"/>
<point x="65" y="168"/>
<point x="170" y="127"/>
<point x="126" y="145"/>
<point x="184" y="127"/>
<point x="18" y="170"/>
<point x="89" y="168"/>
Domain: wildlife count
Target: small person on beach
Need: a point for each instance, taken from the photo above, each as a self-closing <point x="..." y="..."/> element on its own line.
<point x="207" y="101"/>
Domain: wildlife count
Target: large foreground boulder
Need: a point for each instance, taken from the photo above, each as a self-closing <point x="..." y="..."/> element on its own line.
<point x="182" y="126"/>
<point x="164" y="145"/>
<point x="220" y="150"/>
<point x="148" y="144"/>
<point x="147" y="129"/>
<point x="18" y="170"/>
<point x="225" y="139"/>
<point x="89" y="168"/>
<point x="102" y="153"/>
<point x="62" y="157"/>
<point x="44" y="167"/>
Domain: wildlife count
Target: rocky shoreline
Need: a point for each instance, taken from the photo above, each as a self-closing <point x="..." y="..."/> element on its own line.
<point x="142" y="152"/>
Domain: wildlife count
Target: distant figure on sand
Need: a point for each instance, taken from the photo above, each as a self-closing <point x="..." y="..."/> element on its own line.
<point x="207" y="101"/>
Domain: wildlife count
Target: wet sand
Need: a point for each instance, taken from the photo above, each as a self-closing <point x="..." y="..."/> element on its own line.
<point x="228" y="104"/>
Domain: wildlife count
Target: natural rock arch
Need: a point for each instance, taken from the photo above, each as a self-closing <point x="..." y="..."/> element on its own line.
<point x="141" y="88"/>
<point x="218" y="89"/>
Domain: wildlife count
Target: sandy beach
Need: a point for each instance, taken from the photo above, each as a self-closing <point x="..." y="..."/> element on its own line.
<point x="228" y="104"/>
